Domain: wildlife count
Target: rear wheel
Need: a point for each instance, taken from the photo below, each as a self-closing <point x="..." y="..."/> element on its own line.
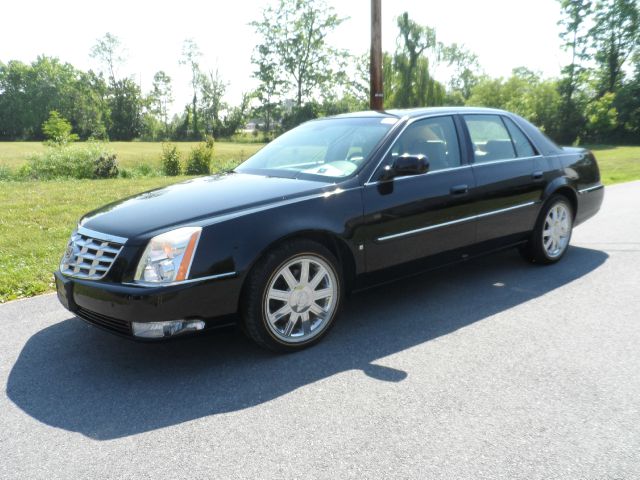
<point x="552" y="233"/>
<point x="292" y="296"/>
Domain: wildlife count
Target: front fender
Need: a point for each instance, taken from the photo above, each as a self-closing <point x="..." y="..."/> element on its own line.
<point x="236" y="243"/>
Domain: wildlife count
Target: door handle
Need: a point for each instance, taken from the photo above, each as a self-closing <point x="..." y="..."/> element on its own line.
<point x="537" y="176"/>
<point x="459" y="189"/>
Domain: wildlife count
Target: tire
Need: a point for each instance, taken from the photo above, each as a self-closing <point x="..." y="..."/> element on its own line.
<point x="281" y="311"/>
<point x="552" y="233"/>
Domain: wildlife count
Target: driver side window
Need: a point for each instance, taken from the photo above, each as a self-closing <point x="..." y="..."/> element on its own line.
<point x="434" y="138"/>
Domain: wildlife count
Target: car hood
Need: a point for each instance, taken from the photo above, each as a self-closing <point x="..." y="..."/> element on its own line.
<point x="193" y="201"/>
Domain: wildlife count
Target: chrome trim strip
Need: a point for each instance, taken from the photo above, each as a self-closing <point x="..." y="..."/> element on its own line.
<point x="397" y="179"/>
<point x="590" y="189"/>
<point x="502" y="210"/>
<point x="105" y="237"/>
<point x="191" y="280"/>
<point x="506" y="160"/>
<point x="405" y="126"/>
<point x="453" y="222"/>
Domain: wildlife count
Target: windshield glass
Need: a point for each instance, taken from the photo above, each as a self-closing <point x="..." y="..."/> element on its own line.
<point x="332" y="148"/>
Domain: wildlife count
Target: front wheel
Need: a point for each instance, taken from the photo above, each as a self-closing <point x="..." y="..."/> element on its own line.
<point x="552" y="233"/>
<point x="292" y="296"/>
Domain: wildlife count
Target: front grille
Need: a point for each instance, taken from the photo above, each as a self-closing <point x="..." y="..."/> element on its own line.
<point x="87" y="257"/>
<point x="113" y="324"/>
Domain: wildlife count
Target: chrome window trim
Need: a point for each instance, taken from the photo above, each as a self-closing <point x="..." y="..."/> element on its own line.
<point x="106" y="237"/>
<point x="514" y="120"/>
<point x="411" y="121"/>
<point x="182" y="282"/>
<point x="506" y="160"/>
<point x="590" y="189"/>
<point x="453" y="222"/>
<point x="406" y="177"/>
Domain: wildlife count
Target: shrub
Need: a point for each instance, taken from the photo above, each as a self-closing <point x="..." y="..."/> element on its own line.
<point x="57" y="129"/>
<point x="106" y="166"/>
<point x="170" y="160"/>
<point x="199" y="161"/>
<point x="92" y="160"/>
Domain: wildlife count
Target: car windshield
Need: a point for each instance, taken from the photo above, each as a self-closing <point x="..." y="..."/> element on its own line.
<point x="325" y="149"/>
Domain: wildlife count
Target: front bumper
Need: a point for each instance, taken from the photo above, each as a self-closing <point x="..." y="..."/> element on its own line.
<point x="113" y="306"/>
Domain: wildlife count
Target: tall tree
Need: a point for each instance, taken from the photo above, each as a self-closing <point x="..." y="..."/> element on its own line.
<point x="294" y="36"/>
<point x="212" y="90"/>
<point x="413" y="84"/>
<point x="108" y="50"/>
<point x="161" y="98"/>
<point x="575" y="36"/>
<point x="616" y="37"/>
<point x="191" y="57"/>
<point x="271" y="82"/>
<point x="125" y="104"/>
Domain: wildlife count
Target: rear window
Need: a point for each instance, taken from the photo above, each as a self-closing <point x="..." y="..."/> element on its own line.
<point x="490" y="138"/>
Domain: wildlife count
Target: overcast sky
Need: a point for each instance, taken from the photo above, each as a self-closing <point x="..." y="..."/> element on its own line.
<point x="503" y="33"/>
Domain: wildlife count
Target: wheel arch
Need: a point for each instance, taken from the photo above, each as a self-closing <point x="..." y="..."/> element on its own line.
<point x="336" y="245"/>
<point x="562" y="187"/>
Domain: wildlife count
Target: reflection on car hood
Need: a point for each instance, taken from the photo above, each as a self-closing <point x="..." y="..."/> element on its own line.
<point x="195" y="200"/>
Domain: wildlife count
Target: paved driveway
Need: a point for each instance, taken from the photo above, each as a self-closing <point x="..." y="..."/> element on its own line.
<point x="492" y="369"/>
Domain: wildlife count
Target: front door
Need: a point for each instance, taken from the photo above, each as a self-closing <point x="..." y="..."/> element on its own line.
<point x="412" y="217"/>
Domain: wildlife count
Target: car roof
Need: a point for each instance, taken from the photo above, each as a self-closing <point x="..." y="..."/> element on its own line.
<point x="419" y="112"/>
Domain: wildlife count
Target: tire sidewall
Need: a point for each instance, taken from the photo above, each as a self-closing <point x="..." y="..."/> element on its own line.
<point x="255" y="321"/>
<point x="539" y="241"/>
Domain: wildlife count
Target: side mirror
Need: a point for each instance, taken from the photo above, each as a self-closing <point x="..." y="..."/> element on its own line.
<point x="405" y="165"/>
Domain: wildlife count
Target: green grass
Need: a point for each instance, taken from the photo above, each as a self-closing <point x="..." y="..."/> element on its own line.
<point x="618" y="164"/>
<point x="130" y="154"/>
<point x="35" y="222"/>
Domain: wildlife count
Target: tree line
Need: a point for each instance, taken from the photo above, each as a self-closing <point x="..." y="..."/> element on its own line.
<point x="300" y="76"/>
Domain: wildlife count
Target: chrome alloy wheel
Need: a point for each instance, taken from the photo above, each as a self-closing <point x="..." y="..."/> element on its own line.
<point x="301" y="298"/>
<point x="557" y="230"/>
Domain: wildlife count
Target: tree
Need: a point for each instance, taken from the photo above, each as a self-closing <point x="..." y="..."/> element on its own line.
<point x="161" y="98"/>
<point x="109" y="52"/>
<point x="616" y="37"/>
<point x="212" y="89"/>
<point x="125" y="103"/>
<point x="57" y="129"/>
<point x="574" y="34"/>
<point x="271" y="83"/>
<point x="191" y="57"/>
<point x="465" y="66"/>
<point x="293" y="51"/>
<point x="602" y="118"/>
<point x="411" y="83"/>
<point x="29" y="92"/>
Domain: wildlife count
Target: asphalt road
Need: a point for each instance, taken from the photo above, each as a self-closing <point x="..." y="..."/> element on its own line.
<point x="491" y="369"/>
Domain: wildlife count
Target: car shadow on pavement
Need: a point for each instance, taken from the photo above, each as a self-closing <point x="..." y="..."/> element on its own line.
<point x="78" y="378"/>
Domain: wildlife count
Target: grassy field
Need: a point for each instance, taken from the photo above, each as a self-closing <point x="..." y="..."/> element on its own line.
<point x="36" y="218"/>
<point x="130" y="154"/>
<point x="618" y="164"/>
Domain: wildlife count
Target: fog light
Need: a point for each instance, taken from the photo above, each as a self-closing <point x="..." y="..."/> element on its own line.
<point x="165" y="329"/>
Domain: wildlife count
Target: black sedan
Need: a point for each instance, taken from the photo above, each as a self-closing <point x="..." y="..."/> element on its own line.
<point x="333" y="206"/>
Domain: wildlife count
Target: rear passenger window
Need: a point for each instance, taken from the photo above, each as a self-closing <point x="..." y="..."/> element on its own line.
<point x="521" y="142"/>
<point x="491" y="140"/>
<point x="434" y="138"/>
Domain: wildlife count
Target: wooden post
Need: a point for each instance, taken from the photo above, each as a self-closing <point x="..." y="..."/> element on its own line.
<point x="375" y="72"/>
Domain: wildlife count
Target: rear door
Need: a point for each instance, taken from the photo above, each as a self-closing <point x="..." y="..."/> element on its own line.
<point x="412" y="217"/>
<point x="510" y="177"/>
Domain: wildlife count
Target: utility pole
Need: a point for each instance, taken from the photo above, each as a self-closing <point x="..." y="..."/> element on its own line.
<point x="375" y="72"/>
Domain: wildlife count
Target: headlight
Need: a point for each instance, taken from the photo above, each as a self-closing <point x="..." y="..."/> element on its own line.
<point x="168" y="257"/>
